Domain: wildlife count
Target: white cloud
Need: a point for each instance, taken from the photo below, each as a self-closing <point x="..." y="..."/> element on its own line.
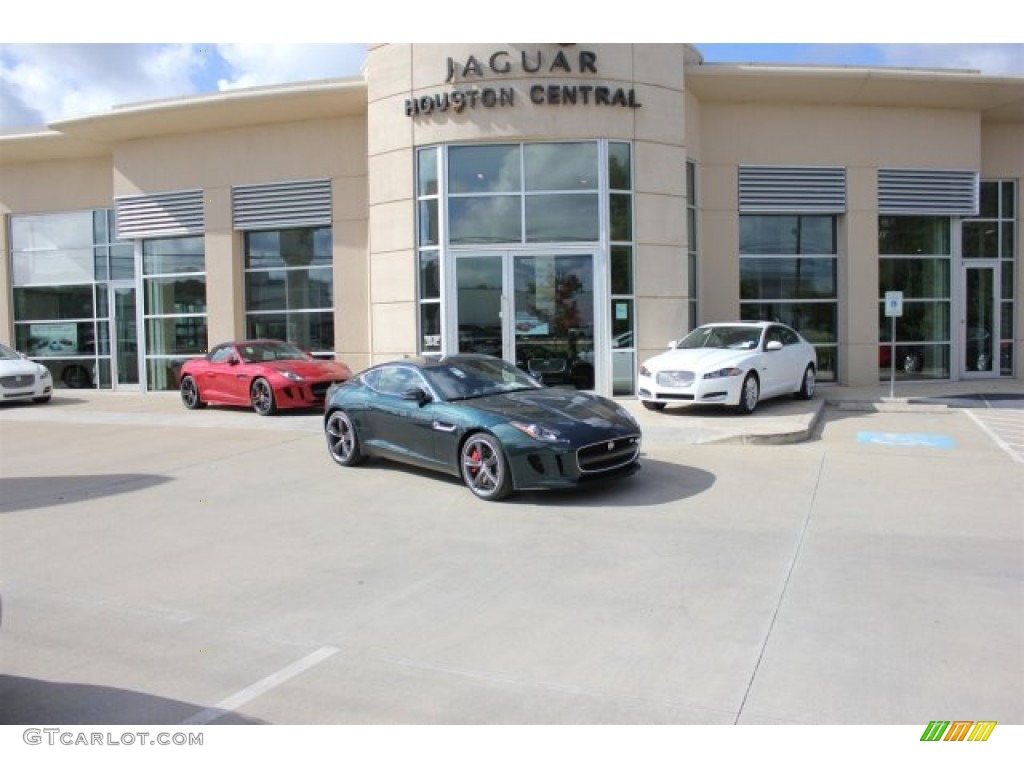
<point x="43" y="83"/>
<point x="252" y="64"/>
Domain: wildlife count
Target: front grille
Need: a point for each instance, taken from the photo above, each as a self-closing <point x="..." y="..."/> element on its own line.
<point x="675" y="378"/>
<point x="608" y="455"/>
<point x="320" y="389"/>
<point x="17" y="382"/>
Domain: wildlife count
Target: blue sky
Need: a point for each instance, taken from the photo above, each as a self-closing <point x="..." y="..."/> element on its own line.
<point x="64" y="59"/>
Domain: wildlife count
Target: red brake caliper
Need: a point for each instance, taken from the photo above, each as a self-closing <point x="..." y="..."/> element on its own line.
<point x="475" y="456"/>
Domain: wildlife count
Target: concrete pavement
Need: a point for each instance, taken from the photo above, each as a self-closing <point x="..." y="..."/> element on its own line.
<point x="159" y="564"/>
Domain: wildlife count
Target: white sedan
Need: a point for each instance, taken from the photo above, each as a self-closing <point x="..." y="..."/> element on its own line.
<point x="736" y="364"/>
<point x="21" y="379"/>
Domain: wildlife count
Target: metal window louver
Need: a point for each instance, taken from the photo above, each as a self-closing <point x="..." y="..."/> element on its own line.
<point x="283" y="204"/>
<point x="160" y="215"/>
<point x="924" y="192"/>
<point x="792" y="189"/>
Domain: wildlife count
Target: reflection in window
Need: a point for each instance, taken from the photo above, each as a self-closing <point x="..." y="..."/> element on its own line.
<point x="914" y="258"/>
<point x="481" y="169"/>
<point x="289" y="287"/>
<point x="174" y="306"/>
<point x="561" y="167"/>
<point x="788" y="274"/>
<point x="561" y="218"/>
<point x="60" y="264"/>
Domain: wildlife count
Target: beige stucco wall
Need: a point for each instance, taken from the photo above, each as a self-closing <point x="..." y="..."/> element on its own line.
<point x="42" y="187"/>
<point x="860" y="139"/>
<point x="397" y="72"/>
<point x="217" y="160"/>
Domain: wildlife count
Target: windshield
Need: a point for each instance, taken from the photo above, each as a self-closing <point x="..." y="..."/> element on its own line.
<point x="477" y="377"/>
<point x="6" y="353"/>
<point x="270" y="351"/>
<point x="722" y="337"/>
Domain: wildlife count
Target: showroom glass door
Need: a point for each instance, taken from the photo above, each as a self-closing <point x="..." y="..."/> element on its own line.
<point x="533" y="310"/>
<point x="981" y="320"/>
<point x="553" y="321"/>
<point x="125" y="341"/>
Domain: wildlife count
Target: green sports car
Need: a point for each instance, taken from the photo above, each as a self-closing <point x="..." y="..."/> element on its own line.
<point x="481" y="419"/>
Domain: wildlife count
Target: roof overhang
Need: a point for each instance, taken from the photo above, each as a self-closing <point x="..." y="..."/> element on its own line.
<point x="996" y="99"/>
<point x="223" y="110"/>
<point x="41" y="145"/>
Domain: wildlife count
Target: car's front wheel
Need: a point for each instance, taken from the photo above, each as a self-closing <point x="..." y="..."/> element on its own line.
<point x="807" y="384"/>
<point x="750" y="394"/>
<point x="263" y="398"/>
<point x="190" y="394"/>
<point x="484" y="468"/>
<point x="342" y="440"/>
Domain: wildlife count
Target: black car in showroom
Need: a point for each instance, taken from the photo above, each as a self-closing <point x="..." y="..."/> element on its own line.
<point x="482" y="419"/>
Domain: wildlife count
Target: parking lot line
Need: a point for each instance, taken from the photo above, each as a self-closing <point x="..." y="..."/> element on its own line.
<point x="246" y="695"/>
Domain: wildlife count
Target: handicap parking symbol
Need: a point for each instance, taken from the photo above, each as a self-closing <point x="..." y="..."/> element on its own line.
<point x="906" y="439"/>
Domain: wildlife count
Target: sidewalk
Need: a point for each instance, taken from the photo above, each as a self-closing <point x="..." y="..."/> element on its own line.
<point x="777" y="421"/>
<point x="787" y="420"/>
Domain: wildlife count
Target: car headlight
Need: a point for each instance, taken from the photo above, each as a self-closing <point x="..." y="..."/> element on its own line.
<point x="644" y="371"/>
<point x="724" y="372"/>
<point x="537" y="432"/>
<point x="292" y="376"/>
<point x="44" y="373"/>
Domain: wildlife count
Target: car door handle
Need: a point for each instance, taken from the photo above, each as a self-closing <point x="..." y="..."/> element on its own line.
<point x="443" y="427"/>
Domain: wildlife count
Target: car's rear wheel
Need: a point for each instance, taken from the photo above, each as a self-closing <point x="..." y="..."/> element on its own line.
<point x="263" y="398"/>
<point x="749" y="394"/>
<point x="484" y="468"/>
<point x="807" y="384"/>
<point x="652" y="406"/>
<point x="342" y="440"/>
<point x="190" y="394"/>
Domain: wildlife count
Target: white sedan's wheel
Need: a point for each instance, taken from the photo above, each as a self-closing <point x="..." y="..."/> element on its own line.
<point x="750" y="394"/>
<point x="807" y="384"/>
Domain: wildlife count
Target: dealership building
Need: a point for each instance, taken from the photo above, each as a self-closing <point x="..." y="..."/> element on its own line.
<point x="569" y="207"/>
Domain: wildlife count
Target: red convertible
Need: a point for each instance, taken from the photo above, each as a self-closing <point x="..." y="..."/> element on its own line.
<point x="266" y="375"/>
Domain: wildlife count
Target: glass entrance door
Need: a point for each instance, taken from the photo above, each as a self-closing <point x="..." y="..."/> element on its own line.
<point x="125" y="341"/>
<point x="981" y="321"/>
<point x="534" y="310"/>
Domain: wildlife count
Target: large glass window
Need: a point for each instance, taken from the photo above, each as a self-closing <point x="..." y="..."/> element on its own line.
<point x="523" y="193"/>
<point x="529" y="194"/>
<point x="60" y="263"/>
<point x="174" y="306"/>
<point x="788" y="273"/>
<point x="289" y="287"/>
<point x="914" y="257"/>
<point x="993" y="235"/>
<point x="691" y="241"/>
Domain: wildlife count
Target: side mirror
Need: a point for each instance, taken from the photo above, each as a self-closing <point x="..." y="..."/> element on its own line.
<point x="232" y="360"/>
<point x="773" y="346"/>
<point x="417" y="395"/>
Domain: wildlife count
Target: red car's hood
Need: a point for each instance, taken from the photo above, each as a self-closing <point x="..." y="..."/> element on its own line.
<point x="313" y="369"/>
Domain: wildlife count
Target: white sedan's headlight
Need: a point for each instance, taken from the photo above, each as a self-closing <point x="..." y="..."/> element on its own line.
<point x="723" y="373"/>
<point x="537" y="432"/>
<point x="44" y="373"/>
<point x="292" y="376"/>
<point x="644" y="370"/>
